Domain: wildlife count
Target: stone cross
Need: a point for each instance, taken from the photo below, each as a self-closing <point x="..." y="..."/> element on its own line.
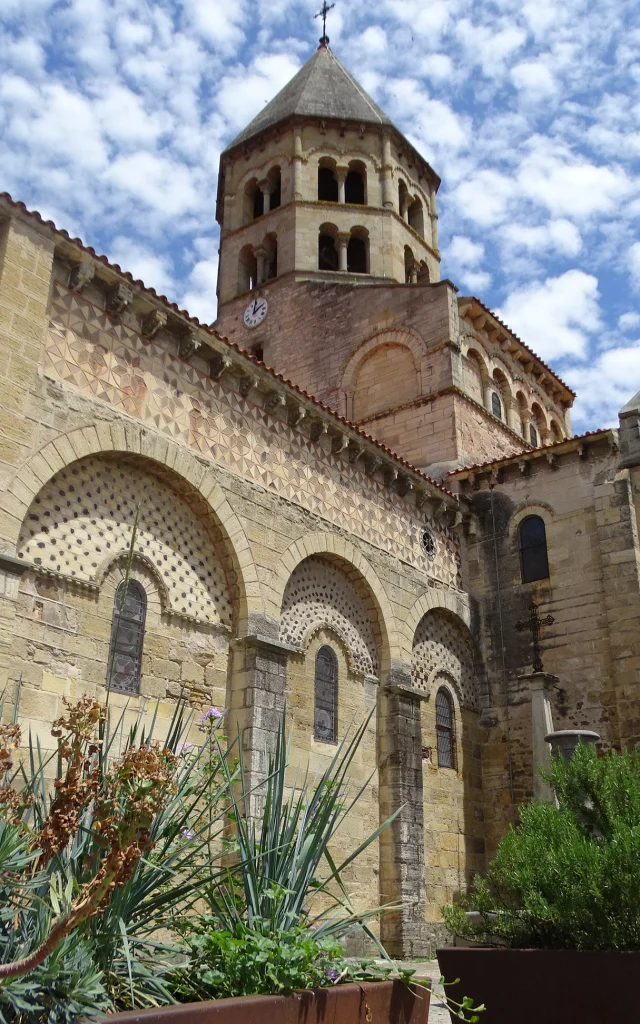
<point x="323" y="14"/>
<point x="533" y="624"/>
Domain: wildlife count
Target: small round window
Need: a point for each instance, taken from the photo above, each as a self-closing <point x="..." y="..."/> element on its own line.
<point x="428" y="542"/>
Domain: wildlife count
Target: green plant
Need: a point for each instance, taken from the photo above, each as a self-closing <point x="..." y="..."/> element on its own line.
<point x="285" y="876"/>
<point x="567" y="877"/>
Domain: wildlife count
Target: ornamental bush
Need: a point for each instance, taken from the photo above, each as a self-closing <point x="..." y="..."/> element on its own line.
<point x="567" y="876"/>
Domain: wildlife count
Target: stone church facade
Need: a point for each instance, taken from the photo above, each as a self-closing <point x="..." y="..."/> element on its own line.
<point x="346" y="505"/>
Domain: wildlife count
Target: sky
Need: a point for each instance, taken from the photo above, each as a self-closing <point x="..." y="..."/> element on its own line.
<point x="113" y="115"/>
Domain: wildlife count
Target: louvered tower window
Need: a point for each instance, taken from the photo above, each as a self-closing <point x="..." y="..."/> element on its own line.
<point x="325" y="725"/>
<point x="127" y="638"/>
<point x="534" y="561"/>
<point x="444" y="729"/>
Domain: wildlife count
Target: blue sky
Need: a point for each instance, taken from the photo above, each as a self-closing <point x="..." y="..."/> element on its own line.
<point x="113" y="114"/>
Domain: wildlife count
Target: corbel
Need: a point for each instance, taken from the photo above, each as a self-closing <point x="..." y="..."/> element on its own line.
<point x="552" y="459"/>
<point x="405" y="485"/>
<point x="390" y="476"/>
<point x="582" y="450"/>
<point x="119" y="298"/>
<point x="455" y="518"/>
<point x="524" y="466"/>
<point x="82" y="274"/>
<point x="480" y="321"/>
<point x="339" y="443"/>
<point x="188" y="344"/>
<point x="274" y="400"/>
<point x="296" y="415"/>
<point x="317" y="429"/>
<point x="355" y="451"/>
<point x="153" y="322"/>
<point x="613" y="442"/>
<point x="218" y="365"/>
<point x="421" y="496"/>
<point x="475" y="481"/>
<point x="247" y="381"/>
<point x="372" y="464"/>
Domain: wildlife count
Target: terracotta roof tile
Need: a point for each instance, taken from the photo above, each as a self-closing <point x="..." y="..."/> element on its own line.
<point x="541" y="449"/>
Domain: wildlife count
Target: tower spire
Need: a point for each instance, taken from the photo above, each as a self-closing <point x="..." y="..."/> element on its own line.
<point x="324" y="38"/>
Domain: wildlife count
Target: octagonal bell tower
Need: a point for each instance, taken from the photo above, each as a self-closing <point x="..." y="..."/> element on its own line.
<point x="321" y="186"/>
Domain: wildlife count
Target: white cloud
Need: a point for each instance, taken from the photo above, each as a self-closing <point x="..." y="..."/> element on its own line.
<point x="374" y="40"/>
<point x="555" y="317"/>
<point x="157" y="181"/>
<point x="633" y="258"/>
<point x="199" y="298"/>
<point x="629" y="321"/>
<point x="246" y="91"/>
<point x="534" y="78"/>
<point x="604" y="387"/>
<point x="571" y="187"/>
<point x="154" y="270"/>
<point x="559" y="236"/>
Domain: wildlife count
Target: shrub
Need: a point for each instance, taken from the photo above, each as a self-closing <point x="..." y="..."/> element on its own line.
<point x="567" y="877"/>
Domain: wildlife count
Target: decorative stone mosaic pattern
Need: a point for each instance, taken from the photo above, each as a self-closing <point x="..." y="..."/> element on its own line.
<point x="320" y="594"/>
<point x="83" y="518"/>
<point x="441" y="644"/>
<point x="93" y="351"/>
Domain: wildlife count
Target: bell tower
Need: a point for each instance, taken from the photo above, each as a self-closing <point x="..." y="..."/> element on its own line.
<point x="321" y="186"/>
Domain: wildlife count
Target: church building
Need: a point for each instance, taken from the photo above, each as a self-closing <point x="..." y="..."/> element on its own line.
<point x="356" y="491"/>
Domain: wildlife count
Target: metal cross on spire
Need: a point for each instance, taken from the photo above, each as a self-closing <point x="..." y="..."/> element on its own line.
<point x="324" y="41"/>
<point x="533" y="624"/>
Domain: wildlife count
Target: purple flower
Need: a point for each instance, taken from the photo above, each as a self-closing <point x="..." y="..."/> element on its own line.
<point x="185" y="748"/>
<point x="212" y="713"/>
<point x="187" y="833"/>
<point x="332" y="973"/>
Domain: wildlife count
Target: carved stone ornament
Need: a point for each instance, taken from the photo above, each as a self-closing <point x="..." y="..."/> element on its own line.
<point x="296" y="415"/>
<point x="119" y="298"/>
<point x="339" y="443"/>
<point x="355" y="451"/>
<point x="218" y="365"/>
<point x="317" y="429"/>
<point x="372" y="464"/>
<point x="246" y="383"/>
<point x="273" y="400"/>
<point x="189" y="344"/>
<point x="82" y="273"/>
<point x="153" y="322"/>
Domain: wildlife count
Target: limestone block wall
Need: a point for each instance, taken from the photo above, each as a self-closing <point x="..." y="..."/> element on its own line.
<point x="592" y="593"/>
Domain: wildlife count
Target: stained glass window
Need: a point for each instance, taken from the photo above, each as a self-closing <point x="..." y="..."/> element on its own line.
<point x="496" y="404"/>
<point x="127" y="638"/>
<point x="534" y="561"/>
<point x="325" y="726"/>
<point x="444" y="729"/>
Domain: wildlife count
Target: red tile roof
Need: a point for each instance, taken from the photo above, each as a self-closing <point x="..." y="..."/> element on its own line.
<point x="519" y="340"/>
<point x="210" y="330"/>
<point x="540" y="450"/>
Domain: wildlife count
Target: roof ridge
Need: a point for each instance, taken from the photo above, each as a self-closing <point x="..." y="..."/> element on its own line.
<point x="353" y="81"/>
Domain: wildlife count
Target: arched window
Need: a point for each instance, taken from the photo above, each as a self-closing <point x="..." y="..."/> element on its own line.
<point x="357" y="255"/>
<point x="354" y="187"/>
<point x="127" y="638"/>
<point x="416" y="217"/>
<point x="247" y="270"/>
<point x="533" y="434"/>
<point x="327" y="185"/>
<point x="275" y="182"/>
<point x="496" y="404"/>
<point x="532" y="537"/>
<point x="327" y="253"/>
<point x="325" y="719"/>
<point x="445" y="738"/>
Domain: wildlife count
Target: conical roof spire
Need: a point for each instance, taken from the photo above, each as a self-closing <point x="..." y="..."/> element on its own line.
<point x="322" y="88"/>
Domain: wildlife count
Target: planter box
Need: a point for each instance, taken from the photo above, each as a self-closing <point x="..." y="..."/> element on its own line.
<point x="544" y="986"/>
<point x="382" y="1002"/>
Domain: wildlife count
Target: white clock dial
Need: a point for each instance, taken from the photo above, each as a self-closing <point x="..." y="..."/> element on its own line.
<point x="255" y="312"/>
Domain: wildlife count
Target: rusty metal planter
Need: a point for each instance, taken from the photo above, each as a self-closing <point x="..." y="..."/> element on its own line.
<point x="382" y="1002"/>
<point x="545" y="986"/>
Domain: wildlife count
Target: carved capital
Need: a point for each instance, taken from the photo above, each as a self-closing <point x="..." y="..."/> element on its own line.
<point x="81" y="274"/>
<point x="153" y="322"/>
<point x="119" y="298"/>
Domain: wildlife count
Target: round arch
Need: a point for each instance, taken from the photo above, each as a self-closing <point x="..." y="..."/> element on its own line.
<point x="447" y="600"/>
<point x="188" y="475"/>
<point x="339" y="548"/>
<point x="403" y="336"/>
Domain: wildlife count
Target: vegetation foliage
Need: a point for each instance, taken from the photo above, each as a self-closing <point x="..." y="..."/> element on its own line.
<point x="567" y="876"/>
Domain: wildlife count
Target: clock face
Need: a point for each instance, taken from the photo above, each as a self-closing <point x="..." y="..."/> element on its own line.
<point x="255" y="312"/>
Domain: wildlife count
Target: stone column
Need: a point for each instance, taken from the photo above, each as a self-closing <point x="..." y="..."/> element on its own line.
<point x="297" y="164"/>
<point x="434" y="219"/>
<point x="343" y="241"/>
<point x="256" y="702"/>
<point x="525" y="421"/>
<point x="487" y="391"/>
<point x="387" y="173"/>
<point x="402" y="863"/>
<point x="513" y="418"/>
<point x="265" y="188"/>
<point x="413" y="273"/>
<point x="404" y="209"/>
<point x="261" y="263"/>
<point x="546" y="436"/>
<point x="341" y="175"/>
<point x="540" y="685"/>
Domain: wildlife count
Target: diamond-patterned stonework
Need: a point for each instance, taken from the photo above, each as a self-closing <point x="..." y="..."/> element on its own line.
<point x="442" y="645"/>
<point x="83" y="519"/>
<point x="91" y="350"/>
<point x="318" y="595"/>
